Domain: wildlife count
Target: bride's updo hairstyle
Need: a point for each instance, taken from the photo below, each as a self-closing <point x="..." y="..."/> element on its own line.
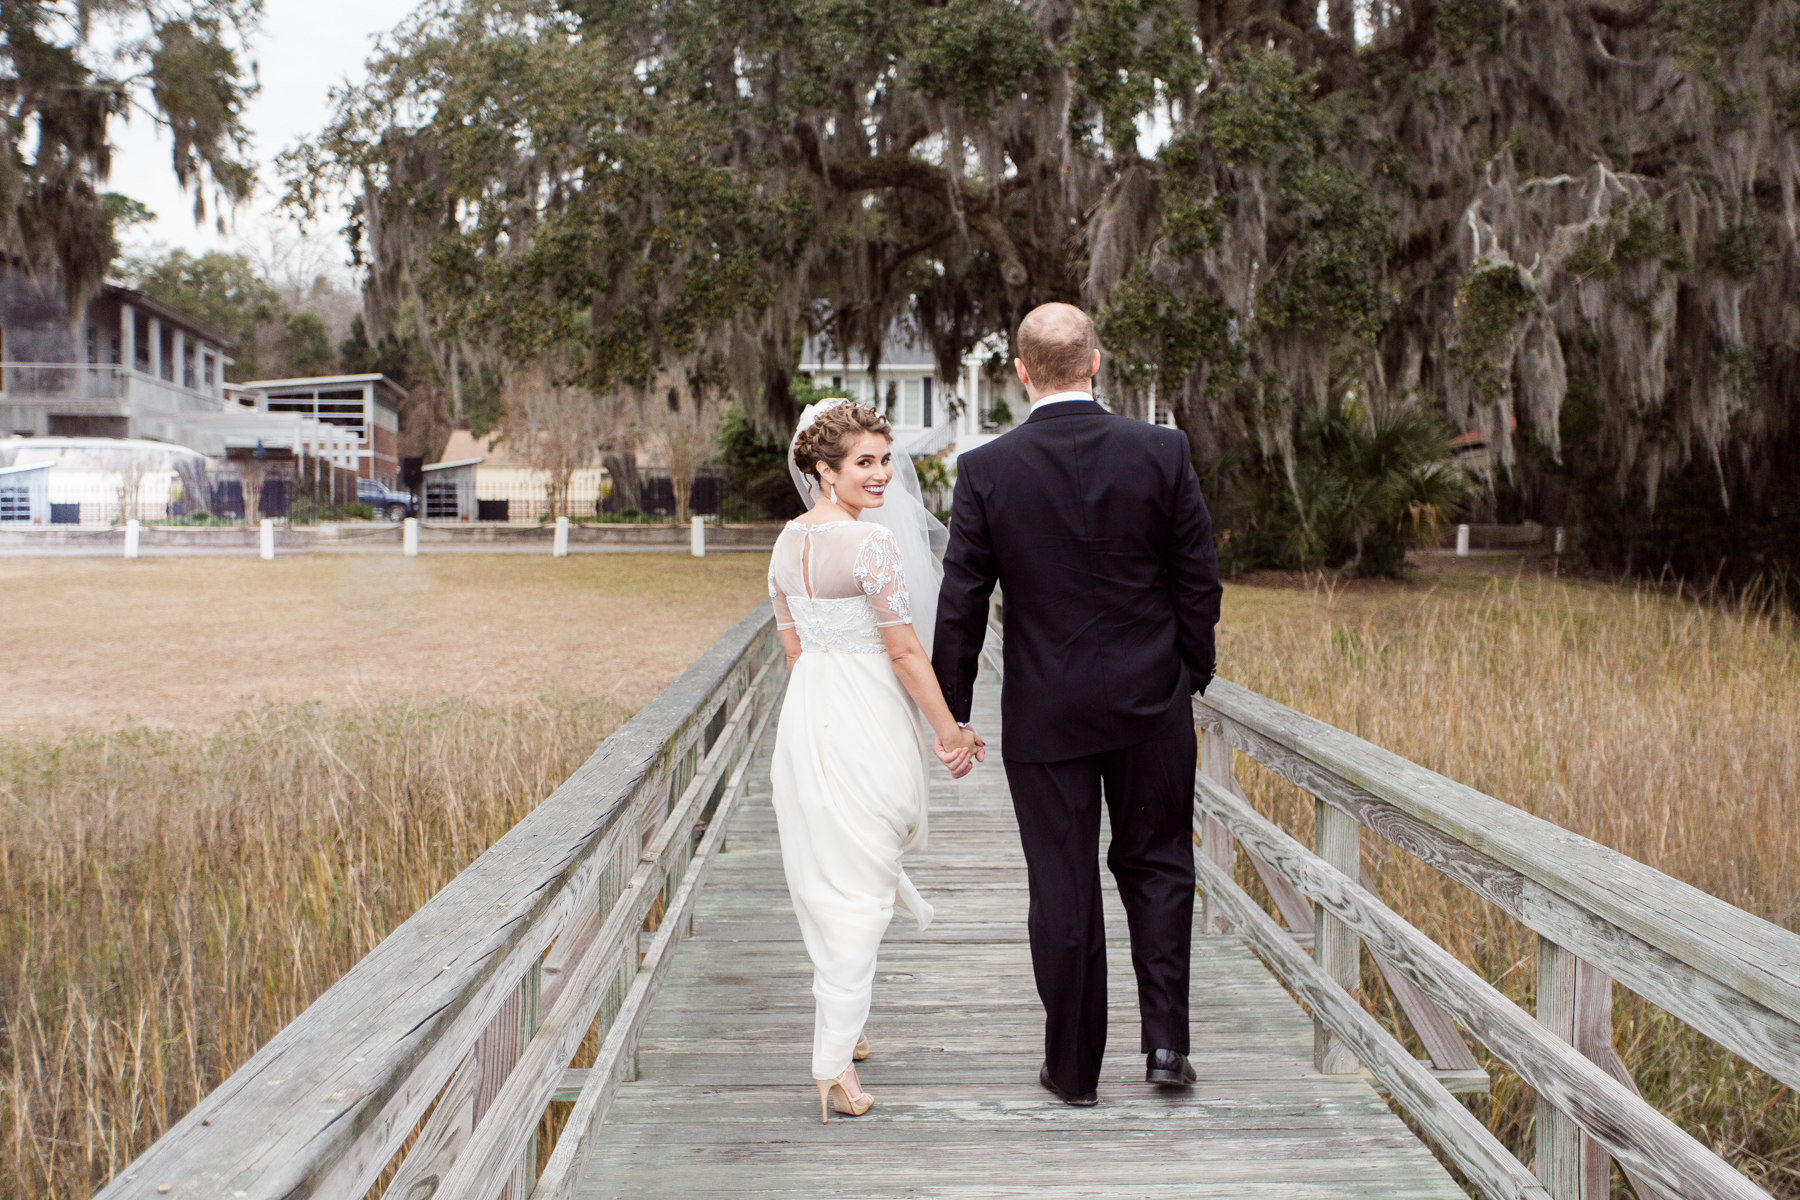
<point x="833" y="434"/>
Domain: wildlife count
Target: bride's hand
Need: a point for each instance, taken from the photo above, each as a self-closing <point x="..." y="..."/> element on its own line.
<point x="955" y="757"/>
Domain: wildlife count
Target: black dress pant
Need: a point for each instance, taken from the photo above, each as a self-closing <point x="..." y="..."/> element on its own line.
<point x="1149" y="791"/>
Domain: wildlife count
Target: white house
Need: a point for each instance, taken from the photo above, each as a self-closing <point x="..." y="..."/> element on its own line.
<point x="908" y="389"/>
<point x="364" y="409"/>
<point x="131" y="367"/>
<point x="506" y="487"/>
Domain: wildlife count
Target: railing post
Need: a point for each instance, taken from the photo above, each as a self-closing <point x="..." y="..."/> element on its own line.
<point x="1574" y="1002"/>
<point x="1337" y="839"/>
<point x="531" y="995"/>
<point x="1218" y="846"/>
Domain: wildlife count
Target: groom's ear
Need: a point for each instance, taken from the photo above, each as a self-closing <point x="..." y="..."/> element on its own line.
<point x="1024" y="375"/>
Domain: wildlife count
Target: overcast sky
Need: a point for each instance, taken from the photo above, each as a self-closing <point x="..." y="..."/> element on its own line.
<point x="305" y="48"/>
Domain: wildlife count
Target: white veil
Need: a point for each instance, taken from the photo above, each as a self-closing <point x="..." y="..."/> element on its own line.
<point x="921" y="536"/>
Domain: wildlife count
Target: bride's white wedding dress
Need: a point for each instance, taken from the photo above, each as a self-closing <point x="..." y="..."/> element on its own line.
<point x="848" y="772"/>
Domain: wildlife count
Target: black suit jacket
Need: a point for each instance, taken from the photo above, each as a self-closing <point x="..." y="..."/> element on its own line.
<point x="1094" y="528"/>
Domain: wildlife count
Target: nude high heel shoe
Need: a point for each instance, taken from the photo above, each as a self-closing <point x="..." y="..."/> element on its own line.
<point x="844" y="1094"/>
<point x="862" y="1048"/>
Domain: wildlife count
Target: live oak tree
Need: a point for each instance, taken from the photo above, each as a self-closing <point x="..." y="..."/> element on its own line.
<point x="71" y="69"/>
<point x="1569" y="226"/>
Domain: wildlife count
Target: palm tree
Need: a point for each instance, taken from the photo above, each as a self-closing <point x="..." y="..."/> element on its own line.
<point x="1366" y="486"/>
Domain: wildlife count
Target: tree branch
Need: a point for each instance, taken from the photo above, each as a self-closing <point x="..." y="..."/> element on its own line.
<point x="1617" y="18"/>
<point x="905" y="171"/>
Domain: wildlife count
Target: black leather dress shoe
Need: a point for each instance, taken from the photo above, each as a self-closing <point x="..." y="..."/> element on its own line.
<point x="1084" y="1101"/>
<point x="1169" y="1068"/>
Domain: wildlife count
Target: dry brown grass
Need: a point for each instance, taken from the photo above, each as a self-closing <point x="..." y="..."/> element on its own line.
<point x="1665" y="729"/>
<point x="190" y="642"/>
<point x="172" y="897"/>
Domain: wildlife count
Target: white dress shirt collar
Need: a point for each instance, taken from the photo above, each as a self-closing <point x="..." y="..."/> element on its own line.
<point x="1059" y="398"/>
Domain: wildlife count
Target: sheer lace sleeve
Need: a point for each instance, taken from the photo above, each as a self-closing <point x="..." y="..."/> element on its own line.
<point x="783" y="618"/>
<point x="878" y="574"/>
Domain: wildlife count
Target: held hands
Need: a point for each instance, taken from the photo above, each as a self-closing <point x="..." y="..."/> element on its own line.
<point x="960" y="752"/>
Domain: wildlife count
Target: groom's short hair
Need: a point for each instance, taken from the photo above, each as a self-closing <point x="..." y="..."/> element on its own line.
<point x="1056" y="342"/>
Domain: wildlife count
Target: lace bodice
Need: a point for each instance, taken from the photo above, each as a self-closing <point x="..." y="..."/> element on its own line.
<point x="837" y="585"/>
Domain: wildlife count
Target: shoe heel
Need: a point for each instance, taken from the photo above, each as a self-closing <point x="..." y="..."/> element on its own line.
<point x="835" y="1093"/>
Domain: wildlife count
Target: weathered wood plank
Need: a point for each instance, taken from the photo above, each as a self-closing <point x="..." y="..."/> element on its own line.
<point x="1215" y="842"/>
<point x="1751" y="956"/>
<point x="1558" y="1151"/>
<point x="722" y="1105"/>
<point x="566" y="1161"/>
<point x="1477" y="1153"/>
<point x="1450" y="1055"/>
<point x="501" y="1138"/>
<point x="1765" y="1037"/>
<point x="1337" y="839"/>
<point x="325" y="1104"/>
<point x="1635" y="1133"/>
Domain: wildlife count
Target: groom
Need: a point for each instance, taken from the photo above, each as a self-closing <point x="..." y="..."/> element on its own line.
<point x="1094" y="527"/>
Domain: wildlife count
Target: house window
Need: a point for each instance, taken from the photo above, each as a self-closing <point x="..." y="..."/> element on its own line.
<point x="911" y="402"/>
<point x="440" y="501"/>
<point x="15" y="502"/>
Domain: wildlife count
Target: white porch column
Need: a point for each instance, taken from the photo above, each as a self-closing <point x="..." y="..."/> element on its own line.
<point x="127" y="337"/>
<point x="156" y="357"/>
<point x="972" y="397"/>
<point x="178" y="351"/>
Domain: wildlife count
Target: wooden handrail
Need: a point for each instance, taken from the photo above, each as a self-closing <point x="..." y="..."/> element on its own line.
<point x="1598" y="913"/>
<point x="1646" y="1143"/>
<point x="1727" y="973"/>
<point x="325" y="1106"/>
<point x="1724" y="971"/>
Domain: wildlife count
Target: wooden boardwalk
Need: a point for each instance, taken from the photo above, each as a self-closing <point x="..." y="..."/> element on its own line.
<point x="723" y="1103"/>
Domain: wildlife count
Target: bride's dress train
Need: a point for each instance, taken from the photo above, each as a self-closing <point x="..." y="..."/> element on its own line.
<point x="848" y="771"/>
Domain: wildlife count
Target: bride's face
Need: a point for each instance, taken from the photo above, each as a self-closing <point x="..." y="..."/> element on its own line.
<point x="862" y="480"/>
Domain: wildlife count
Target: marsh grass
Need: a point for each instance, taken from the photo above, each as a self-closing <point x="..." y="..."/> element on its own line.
<point x="172" y="899"/>
<point x="169" y="900"/>
<point x="1666" y="729"/>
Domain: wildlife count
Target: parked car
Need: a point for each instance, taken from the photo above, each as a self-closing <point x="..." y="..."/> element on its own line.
<point x="389" y="503"/>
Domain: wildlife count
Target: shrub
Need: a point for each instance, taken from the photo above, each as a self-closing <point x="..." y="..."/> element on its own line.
<point x="1358" y="492"/>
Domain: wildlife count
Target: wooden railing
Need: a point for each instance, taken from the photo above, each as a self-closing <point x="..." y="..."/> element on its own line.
<point x="1599" y="915"/>
<point x="433" y="1060"/>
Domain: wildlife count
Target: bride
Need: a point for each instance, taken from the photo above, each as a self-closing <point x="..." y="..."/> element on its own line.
<point x="862" y="709"/>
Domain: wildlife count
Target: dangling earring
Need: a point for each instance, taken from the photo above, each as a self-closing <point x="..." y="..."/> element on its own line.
<point x="834" y="494"/>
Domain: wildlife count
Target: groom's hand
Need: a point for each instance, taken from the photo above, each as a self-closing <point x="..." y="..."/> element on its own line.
<point x="962" y="752"/>
<point x="955" y="760"/>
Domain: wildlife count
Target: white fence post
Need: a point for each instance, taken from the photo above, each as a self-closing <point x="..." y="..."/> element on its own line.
<point x="561" y="547"/>
<point x="131" y="538"/>
<point x="1462" y="541"/>
<point x="697" y="540"/>
<point x="409" y="537"/>
<point x="268" y="540"/>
